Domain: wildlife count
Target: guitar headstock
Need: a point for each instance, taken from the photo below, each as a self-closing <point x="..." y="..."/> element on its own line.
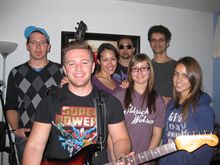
<point x="192" y="142"/>
<point x="80" y="31"/>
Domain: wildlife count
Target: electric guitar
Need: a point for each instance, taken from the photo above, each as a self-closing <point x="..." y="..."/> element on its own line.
<point x="183" y="142"/>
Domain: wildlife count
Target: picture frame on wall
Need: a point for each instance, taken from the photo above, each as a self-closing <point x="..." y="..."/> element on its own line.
<point x="96" y="39"/>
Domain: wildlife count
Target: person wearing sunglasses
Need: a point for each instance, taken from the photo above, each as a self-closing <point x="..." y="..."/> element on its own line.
<point x="159" y="38"/>
<point x="144" y="110"/>
<point x="126" y="51"/>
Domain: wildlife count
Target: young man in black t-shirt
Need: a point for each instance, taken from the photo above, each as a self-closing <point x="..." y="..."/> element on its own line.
<point x="66" y="120"/>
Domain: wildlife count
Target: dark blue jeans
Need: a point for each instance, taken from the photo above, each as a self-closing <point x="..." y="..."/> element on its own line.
<point x="20" y="144"/>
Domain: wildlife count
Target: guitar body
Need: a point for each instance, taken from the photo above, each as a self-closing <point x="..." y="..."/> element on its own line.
<point x="84" y="156"/>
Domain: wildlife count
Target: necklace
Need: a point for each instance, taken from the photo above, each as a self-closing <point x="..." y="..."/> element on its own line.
<point x="105" y="78"/>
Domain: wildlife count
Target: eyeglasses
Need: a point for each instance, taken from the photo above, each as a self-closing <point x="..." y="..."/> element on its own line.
<point x="161" y="40"/>
<point x="125" y="46"/>
<point x="35" y="43"/>
<point x="142" y="69"/>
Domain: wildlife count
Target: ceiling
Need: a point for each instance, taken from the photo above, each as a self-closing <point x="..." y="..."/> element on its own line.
<point x="200" y="5"/>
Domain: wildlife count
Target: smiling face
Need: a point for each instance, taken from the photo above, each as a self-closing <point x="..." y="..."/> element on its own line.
<point x="158" y="43"/>
<point x="181" y="82"/>
<point x="107" y="62"/>
<point x="78" y="67"/>
<point x="140" y="73"/>
<point x="125" y="49"/>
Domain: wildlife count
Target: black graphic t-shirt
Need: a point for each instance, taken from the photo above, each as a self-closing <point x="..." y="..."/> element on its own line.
<point x="73" y="120"/>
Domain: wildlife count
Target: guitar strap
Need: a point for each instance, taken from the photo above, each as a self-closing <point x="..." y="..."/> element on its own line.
<point x="101" y="119"/>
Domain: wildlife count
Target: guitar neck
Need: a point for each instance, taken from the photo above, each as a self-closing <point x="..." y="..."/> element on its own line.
<point x="184" y="142"/>
<point x="147" y="155"/>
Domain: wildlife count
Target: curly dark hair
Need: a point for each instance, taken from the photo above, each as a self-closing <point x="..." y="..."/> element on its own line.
<point x="159" y="29"/>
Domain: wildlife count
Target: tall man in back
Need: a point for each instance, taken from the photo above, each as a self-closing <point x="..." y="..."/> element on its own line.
<point x="28" y="83"/>
<point x="159" y="38"/>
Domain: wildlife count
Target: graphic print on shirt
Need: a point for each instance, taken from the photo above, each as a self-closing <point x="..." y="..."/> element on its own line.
<point x="77" y="126"/>
<point x="139" y="115"/>
<point x="175" y="126"/>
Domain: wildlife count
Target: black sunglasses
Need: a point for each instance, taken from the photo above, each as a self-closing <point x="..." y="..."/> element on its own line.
<point x="123" y="46"/>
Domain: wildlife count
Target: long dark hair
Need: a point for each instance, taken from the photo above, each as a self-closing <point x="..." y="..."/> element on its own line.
<point x="194" y="75"/>
<point x="103" y="47"/>
<point x="149" y="92"/>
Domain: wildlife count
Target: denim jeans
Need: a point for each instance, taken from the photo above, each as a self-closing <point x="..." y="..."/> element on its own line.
<point x="20" y="144"/>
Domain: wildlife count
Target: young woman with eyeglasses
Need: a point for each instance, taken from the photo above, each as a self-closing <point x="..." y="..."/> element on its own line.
<point x="144" y="110"/>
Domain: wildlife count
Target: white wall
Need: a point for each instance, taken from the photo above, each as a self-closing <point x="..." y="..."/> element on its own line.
<point x="192" y="30"/>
